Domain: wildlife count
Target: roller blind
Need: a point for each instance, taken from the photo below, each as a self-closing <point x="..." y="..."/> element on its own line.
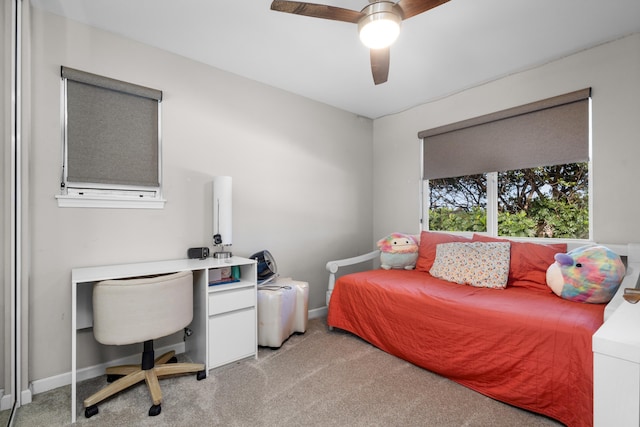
<point x="111" y="131"/>
<point x="553" y="131"/>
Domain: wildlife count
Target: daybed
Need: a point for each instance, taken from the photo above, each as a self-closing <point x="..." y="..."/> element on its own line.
<point x="521" y="345"/>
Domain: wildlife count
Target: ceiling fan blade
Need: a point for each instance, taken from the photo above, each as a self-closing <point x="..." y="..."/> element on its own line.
<point x="317" y="10"/>
<point x="415" y="7"/>
<point x="380" y="65"/>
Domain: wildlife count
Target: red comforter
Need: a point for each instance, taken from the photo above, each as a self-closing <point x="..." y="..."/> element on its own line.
<point x="524" y="347"/>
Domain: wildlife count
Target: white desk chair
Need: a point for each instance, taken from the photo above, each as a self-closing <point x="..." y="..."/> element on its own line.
<point x="138" y="310"/>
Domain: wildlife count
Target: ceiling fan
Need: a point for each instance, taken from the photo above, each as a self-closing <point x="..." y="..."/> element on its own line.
<point x="378" y="23"/>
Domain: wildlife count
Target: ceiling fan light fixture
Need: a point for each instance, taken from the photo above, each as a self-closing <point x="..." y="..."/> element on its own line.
<point x="380" y="26"/>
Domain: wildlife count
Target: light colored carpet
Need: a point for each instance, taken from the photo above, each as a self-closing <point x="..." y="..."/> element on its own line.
<point x="4" y="417"/>
<point x="320" y="378"/>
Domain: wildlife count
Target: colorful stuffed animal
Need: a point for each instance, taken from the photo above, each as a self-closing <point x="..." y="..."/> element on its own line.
<point x="587" y="274"/>
<point x="398" y="250"/>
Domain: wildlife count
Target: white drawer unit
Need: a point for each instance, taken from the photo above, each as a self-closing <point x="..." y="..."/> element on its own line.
<point x="232" y="318"/>
<point x="231" y="299"/>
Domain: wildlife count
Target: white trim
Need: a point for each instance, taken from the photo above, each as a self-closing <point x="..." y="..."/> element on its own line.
<point x="423" y="191"/>
<point x="26" y="396"/>
<point x="17" y="207"/>
<point x="318" y="312"/>
<point x="61" y="380"/>
<point x="69" y="201"/>
<point x="424" y="204"/>
<point x="492" y="203"/>
<point x="590" y="166"/>
<point x="6" y="402"/>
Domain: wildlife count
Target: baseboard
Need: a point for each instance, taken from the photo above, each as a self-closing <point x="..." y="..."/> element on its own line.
<point x="50" y="383"/>
<point x="318" y="312"/>
<point x="26" y="395"/>
<point x="6" y="402"/>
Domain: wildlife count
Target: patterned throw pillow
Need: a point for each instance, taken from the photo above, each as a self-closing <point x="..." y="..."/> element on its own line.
<point x="479" y="264"/>
<point x="529" y="261"/>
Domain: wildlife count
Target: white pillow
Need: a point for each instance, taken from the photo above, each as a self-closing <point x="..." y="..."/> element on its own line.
<point x="480" y="264"/>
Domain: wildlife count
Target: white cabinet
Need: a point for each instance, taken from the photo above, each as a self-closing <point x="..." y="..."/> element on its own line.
<point x="616" y="369"/>
<point x="232" y="318"/>
<point x="231" y="337"/>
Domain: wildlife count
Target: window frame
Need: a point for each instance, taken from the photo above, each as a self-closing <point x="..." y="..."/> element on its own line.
<point x="492" y="211"/>
<point x="105" y="194"/>
<point x="492" y="178"/>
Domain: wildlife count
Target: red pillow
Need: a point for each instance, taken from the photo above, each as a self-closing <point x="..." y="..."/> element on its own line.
<point x="529" y="261"/>
<point x="427" y="249"/>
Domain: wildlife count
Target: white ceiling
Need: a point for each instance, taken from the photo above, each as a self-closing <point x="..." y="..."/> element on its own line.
<point x="455" y="46"/>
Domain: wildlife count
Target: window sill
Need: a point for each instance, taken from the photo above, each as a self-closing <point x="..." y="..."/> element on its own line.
<point x="68" y="201"/>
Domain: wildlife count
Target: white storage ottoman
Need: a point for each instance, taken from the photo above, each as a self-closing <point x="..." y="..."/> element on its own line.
<point x="283" y="307"/>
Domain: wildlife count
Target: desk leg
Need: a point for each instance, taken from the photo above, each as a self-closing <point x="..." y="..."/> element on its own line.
<point x="196" y="344"/>
<point x="74" y="336"/>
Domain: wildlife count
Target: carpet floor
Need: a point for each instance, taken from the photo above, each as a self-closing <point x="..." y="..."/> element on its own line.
<point x="319" y="378"/>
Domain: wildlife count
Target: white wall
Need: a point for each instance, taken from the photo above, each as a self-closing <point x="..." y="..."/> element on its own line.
<point x="612" y="70"/>
<point x="301" y="178"/>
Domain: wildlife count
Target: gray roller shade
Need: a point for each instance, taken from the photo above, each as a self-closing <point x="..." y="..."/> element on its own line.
<point x="112" y="131"/>
<point x="553" y="131"/>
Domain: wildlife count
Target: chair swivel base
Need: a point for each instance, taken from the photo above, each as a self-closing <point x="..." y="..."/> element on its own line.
<point x="129" y="375"/>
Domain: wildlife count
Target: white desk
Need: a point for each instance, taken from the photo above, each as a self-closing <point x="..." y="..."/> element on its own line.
<point x="198" y="346"/>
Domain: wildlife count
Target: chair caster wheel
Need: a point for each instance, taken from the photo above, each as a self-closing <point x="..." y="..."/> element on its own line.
<point x="201" y="375"/>
<point x="173" y="360"/>
<point x="113" y="377"/>
<point x="155" y="410"/>
<point x="90" y="411"/>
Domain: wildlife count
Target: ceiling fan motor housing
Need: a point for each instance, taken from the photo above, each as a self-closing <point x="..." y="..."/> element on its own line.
<point x="380" y="25"/>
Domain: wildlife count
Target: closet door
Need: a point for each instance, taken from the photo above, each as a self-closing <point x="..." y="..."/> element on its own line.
<point x="8" y="19"/>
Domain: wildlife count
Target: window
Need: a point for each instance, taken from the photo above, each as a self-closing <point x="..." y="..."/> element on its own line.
<point x="519" y="172"/>
<point x="546" y="202"/>
<point x="111" y="143"/>
<point x="458" y="204"/>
